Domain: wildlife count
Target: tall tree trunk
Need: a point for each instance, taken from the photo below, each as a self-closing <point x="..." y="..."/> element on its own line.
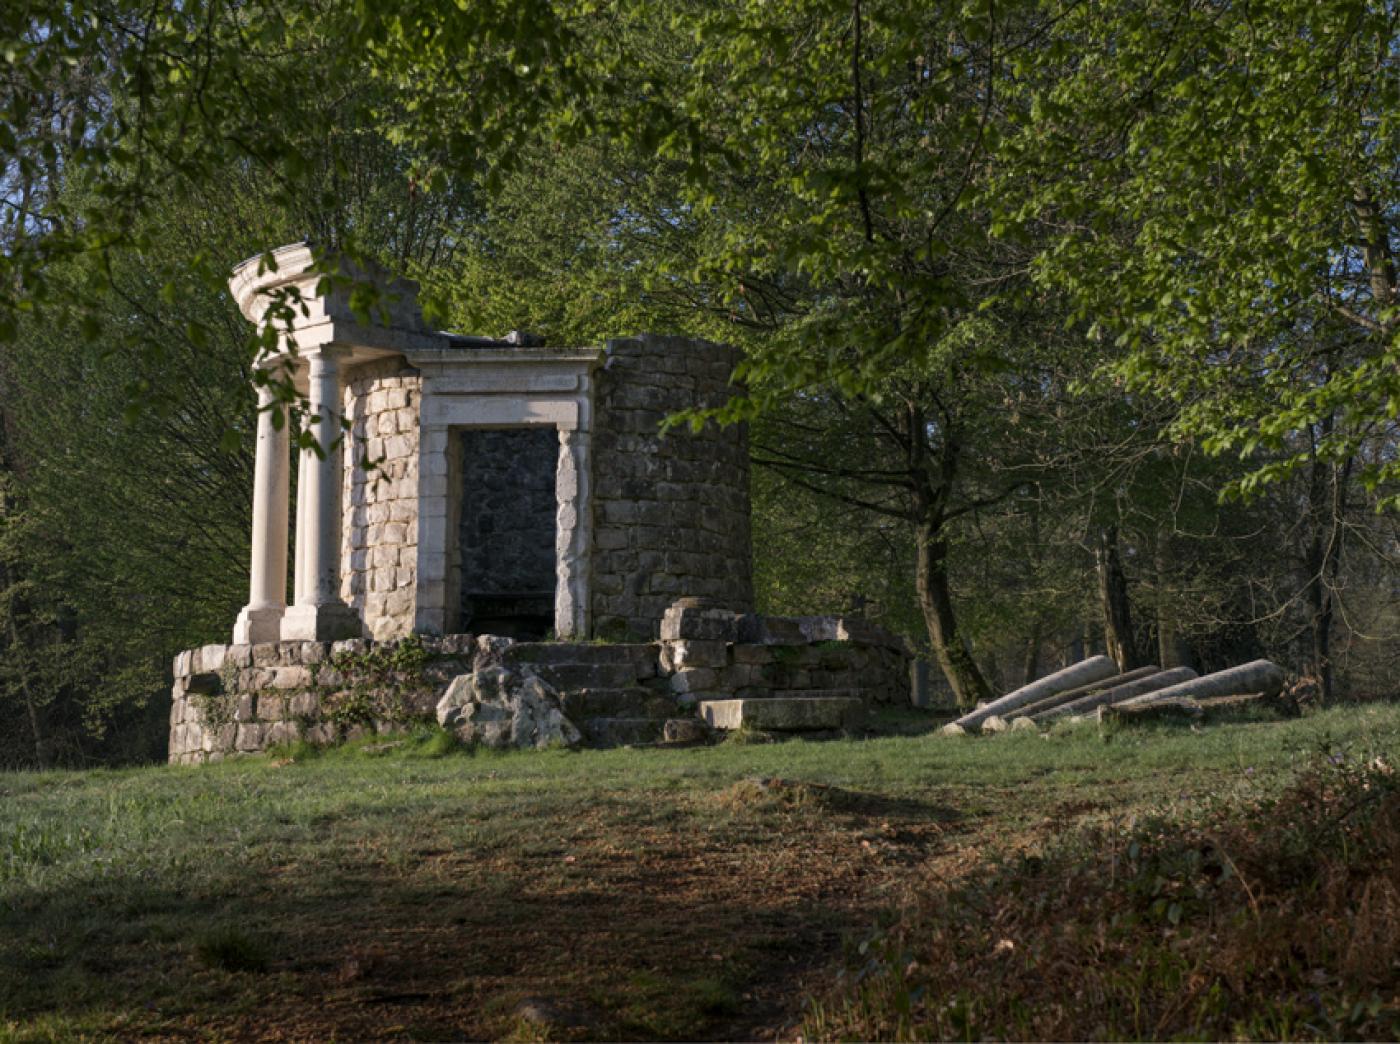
<point x="1113" y="595"/>
<point x="933" y="476"/>
<point x="36" y="728"/>
<point x="1327" y="498"/>
<point x="1169" y="653"/>
<point x="935" y="599"/>
<point x="1030" y="666"/>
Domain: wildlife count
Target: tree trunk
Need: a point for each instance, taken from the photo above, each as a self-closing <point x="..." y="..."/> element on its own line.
<point x="936" y="601"/>
<point x="1169" y="652"/>
<point x="1031" y="664"/>
<point x="1113" y="595"/>
<point x="41" y="748"/>
<point x="1327" y="503"/>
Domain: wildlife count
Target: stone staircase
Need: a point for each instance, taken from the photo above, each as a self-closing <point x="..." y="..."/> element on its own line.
<point x="613" y="693"/>
<point x="618" y="695"/>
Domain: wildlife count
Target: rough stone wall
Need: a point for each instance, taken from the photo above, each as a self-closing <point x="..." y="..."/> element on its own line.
<point x="506" y="529"/>
<point x="379" y="534"/>
<point x="241" y="699"/>
<point x="670" y="514"/>
<point x="711" y="653"/>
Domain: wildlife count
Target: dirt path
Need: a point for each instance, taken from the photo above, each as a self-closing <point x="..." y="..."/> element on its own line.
<point x="658" y="932"/>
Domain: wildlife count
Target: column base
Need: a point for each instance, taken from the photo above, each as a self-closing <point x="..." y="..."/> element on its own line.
<point x="257" y="624"/>
<point x="321" y="623"/>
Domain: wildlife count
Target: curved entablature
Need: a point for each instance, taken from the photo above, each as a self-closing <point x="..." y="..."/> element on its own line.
<point x="392" y="323"/>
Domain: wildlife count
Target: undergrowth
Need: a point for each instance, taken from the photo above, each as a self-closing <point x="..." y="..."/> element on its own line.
<point x="1272" y="917"/>
<point x="426" y="742"/>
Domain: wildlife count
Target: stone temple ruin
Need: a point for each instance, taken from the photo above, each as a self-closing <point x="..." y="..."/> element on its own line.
<point x="502" y="536"/>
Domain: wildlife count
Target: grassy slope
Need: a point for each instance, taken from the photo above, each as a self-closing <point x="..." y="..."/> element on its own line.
<point x="642" y="893"/>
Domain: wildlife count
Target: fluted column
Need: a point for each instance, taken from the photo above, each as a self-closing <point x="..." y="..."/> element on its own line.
<point x="319" y="614"/>
<point x="260" y="619"/>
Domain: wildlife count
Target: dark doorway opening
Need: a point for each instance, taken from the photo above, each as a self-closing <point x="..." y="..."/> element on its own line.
<point x="506" y="532"/>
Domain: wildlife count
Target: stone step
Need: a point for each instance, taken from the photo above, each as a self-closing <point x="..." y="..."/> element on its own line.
<point x="784" y="713"/>
<point x="631" y="702"/>
<point x="637" y="654"/>
<point x="573" y="677"/>
<point x="802" y="694"/>
<point x="621" y="732"/>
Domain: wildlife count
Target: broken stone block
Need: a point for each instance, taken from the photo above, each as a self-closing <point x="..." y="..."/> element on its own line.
<point x="699" y="623"/>
<point x="502" y="707"/>
<point x="784" y="714"/>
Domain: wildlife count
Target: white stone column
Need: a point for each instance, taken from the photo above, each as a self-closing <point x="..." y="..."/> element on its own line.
<point x="319" y="614"/>
<point x="573" y="534"/>
<point x="261" y="618"/>
<point x="305" y="458"/>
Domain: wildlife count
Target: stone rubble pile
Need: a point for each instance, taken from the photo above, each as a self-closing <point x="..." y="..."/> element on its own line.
<point x="1095" y="686"/>
<point x="500" y="707"/>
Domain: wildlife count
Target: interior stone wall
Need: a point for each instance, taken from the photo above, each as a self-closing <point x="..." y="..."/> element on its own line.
<point x="670" y="514"/>
<point x="379" y="531"/>
<point x="506" y="524"/>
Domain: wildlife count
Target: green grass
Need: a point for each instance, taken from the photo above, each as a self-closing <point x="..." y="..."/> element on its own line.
<point x="412" y="888"/>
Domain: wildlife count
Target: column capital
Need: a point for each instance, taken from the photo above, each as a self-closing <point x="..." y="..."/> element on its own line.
<point x="325" y="357"/>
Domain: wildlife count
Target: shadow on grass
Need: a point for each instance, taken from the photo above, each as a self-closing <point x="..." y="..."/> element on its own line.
<point x="661" y="932"/>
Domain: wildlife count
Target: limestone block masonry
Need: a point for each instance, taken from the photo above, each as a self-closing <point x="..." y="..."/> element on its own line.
<point x="671" y="513"/>
<point x="379" y="545"/>
<point x="241" y="699"/>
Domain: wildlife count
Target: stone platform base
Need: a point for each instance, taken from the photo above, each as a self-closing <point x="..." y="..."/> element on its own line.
<point x="242" y="699"/>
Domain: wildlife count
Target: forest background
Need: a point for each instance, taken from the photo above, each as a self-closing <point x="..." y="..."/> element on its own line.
<point x="1069" y="327"/>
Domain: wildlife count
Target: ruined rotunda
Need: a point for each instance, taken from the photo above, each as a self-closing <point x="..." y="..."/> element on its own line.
<point x="474" y="486"/>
